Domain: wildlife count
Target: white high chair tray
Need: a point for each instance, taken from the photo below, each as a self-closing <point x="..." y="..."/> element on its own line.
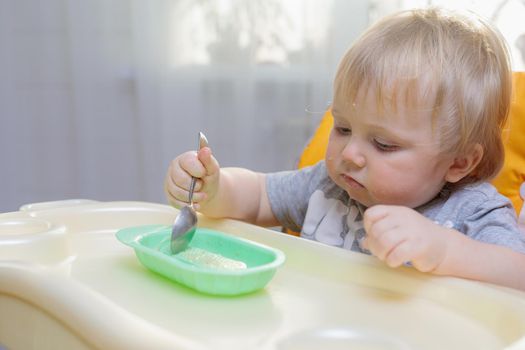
<point x="66" y="282"/>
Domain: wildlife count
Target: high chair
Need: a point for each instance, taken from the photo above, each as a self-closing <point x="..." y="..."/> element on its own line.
<point x="511" y="180"/>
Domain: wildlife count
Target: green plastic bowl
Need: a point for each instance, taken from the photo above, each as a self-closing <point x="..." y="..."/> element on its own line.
<point x="151" y="244"/>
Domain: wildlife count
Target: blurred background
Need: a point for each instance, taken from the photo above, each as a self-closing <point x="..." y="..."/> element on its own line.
<point x="96" y="97"/>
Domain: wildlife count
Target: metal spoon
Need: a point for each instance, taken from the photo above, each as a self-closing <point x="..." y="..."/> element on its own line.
<point x="185" y="223"/>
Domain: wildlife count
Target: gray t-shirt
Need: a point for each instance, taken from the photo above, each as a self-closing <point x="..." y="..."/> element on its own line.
<point x="309" y="202"/>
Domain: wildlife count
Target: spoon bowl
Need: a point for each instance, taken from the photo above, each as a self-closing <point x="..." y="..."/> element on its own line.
<point x="183" y="229"/>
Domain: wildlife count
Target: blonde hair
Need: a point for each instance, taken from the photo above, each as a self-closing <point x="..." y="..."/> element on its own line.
<point x="459" y="61"/>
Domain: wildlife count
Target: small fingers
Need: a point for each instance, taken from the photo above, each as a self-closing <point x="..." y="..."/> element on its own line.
<point x="197" y="198"/>
<point x="211" y="165"/>
<point x="179" y="177"/>
<point x="179" y="194"/>
<point x="173" y="192"/>
<point x="199" y="165"/>
<point x="381" y="239"/>
<point x="383" y="236"/>
<point x="399" y="255"/>
<point x="190" y="164"/>
<point x="373" y="215"/>
<point x="383" y="246"/>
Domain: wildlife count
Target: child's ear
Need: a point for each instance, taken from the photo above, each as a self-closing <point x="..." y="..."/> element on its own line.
<point x="464" y="164"/>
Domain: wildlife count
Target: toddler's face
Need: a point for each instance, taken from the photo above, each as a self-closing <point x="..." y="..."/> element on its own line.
<point x="388" y="156"/>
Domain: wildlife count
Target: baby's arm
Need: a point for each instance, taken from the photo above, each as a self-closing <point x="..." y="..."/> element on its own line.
<point x="398" y="234"/>
<point x="481" y="261"/>
<point x="228" y="192"/>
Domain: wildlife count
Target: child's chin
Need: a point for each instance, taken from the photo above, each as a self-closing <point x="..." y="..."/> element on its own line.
<point x="360" y="198"/>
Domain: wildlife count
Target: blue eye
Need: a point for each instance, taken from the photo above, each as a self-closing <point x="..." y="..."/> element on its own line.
<point x="385" y="147"/>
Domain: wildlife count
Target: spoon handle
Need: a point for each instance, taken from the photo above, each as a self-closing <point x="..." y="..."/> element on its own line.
<point x="203" y="142"/>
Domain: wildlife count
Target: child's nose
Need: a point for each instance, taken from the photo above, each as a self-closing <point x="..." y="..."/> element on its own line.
<point x="353" y="153"/>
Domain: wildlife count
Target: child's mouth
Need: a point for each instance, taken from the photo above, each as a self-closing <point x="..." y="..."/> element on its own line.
<point x="351" y="182"/>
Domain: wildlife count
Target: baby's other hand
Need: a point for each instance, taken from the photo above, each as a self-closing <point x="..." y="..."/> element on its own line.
<point x="201" y="165"/>
<point x="397" y="235"/>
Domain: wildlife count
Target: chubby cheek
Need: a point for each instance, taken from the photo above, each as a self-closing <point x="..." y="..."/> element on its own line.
<point x="390" y="191"/>
<point x="331" y="166"/>
<point x="407" y="188"/>
<point x="332" y="159"/>
<point x="335" y="146"/>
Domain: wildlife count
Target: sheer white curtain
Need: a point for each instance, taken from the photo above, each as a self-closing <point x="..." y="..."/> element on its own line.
<point x="97" y="96"/>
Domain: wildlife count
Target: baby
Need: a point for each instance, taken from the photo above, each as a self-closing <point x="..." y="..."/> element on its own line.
<point x="419" y="104"/>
